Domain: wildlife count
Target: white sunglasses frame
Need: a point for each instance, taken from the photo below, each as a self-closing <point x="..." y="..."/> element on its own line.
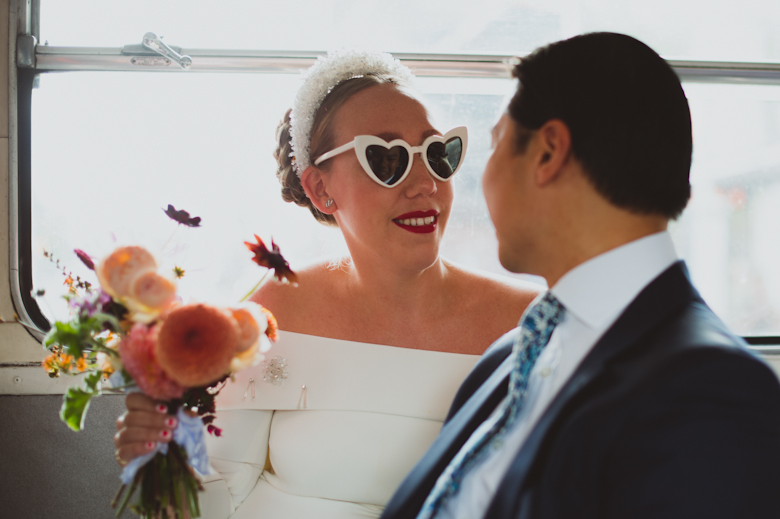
<point x="361" y="142"/>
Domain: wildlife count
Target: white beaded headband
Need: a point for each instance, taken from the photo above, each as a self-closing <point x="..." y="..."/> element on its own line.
<point x="320" y="79"/>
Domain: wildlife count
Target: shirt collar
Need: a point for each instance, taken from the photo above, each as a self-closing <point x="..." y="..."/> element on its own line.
<point x="597" y="291"/>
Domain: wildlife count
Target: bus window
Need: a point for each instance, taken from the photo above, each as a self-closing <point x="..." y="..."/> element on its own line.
<point x="113" y="142"/>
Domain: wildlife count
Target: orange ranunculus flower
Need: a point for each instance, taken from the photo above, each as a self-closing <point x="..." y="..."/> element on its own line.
<point x="196" y="344"/>
<point x="273" y="327"/>
<point x="254" y="322"/>
<point x="137" y="352"/>
<point x="251" y="323"/>
<point x="119" y="270"/>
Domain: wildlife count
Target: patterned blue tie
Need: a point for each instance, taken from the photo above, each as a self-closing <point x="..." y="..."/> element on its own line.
<point x="537" y="325"/>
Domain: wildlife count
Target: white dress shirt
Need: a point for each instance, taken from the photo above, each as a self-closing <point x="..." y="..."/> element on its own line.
<point x="594" y="295"/>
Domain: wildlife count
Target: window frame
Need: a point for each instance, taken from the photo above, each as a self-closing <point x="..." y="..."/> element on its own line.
<point x="32" y="59"/>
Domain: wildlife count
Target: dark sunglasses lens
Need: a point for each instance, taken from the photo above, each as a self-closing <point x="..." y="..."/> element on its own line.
<point x="387" y="164"/>
<point x="444" y="157"/>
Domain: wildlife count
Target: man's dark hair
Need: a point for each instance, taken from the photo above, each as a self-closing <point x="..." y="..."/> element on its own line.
<point x="627" y="113"/>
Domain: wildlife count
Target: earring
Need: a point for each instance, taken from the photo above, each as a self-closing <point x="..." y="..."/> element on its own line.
<point x="329" y="202"/>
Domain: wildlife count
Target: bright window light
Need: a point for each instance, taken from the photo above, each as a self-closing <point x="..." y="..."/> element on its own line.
<point x="727" y="30"/>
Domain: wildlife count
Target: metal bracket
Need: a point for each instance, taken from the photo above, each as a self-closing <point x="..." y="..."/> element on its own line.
<point x="25" y="51"/>
<point x="137" y="49"/>
<point x="155" y="44"/>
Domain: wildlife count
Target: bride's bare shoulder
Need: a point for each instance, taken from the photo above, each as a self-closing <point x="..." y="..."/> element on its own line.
<point x="494" y="291"/>
<point x="288" y="302"/>
<point x="495" y="302"/>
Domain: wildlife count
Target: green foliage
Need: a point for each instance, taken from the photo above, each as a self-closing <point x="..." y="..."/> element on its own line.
<point x="81" y="333"/>
<point x="76" y="401"/>
<point x="74" y="407"/>
<point x="74" y="336"/>
<point x="91" y="381"/>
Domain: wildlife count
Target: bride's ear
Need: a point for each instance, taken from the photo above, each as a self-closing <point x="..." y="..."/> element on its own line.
<point x="315" y="184"/>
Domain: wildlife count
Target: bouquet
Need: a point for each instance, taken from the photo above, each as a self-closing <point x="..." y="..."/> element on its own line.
<point x="133" y="333"/>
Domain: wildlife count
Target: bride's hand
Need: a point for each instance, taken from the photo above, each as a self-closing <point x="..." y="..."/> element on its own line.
<point x="145" y="424"/>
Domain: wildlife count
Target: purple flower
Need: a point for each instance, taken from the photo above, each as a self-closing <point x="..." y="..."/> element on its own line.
<point x="84" y="257"/>
<point x="181" y="216"/>
<point x="102" y="298"/>
<point x="90" y="303"/>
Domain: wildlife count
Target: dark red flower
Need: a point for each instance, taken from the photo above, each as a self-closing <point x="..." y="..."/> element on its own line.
<point x="85" y="259"/>
<point x="213" y="429"/>
<point x="182" y="216"/>
<point x="272" y="259"/>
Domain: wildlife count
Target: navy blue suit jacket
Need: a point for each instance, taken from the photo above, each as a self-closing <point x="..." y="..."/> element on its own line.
<point x="667" y="417"/>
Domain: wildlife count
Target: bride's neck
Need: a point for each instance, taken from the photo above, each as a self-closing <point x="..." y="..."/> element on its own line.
<point x="393" y="284"/>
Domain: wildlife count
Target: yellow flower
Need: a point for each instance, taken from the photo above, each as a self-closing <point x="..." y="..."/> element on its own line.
<point x="81" y="364"/>
<point x="50" y="364"/>
<point x="62" y="362"/>
<point x="65" y="361"/>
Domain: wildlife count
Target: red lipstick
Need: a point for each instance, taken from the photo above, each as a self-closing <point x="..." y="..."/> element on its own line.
<point x="418" y="222"/>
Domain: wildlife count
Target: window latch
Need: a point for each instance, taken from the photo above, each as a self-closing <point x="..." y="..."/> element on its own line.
<point x="25" y="51"/>
<point x="155" y="44"/>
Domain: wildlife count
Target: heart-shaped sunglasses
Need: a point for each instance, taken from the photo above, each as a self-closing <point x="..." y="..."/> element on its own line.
<point x="388" y="163"/>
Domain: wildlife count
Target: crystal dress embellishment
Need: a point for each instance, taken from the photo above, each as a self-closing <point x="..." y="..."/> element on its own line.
<point x="275" y="370"/>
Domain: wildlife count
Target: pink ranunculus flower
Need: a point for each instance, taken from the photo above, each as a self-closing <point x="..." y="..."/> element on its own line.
<point x="137" y="351"/>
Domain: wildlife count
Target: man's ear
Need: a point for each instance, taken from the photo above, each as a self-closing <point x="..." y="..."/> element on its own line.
<point x="554" y="147"/>
<point x="315" y="184"/>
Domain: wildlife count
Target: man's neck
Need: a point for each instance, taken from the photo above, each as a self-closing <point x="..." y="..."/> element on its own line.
<point x="588" y="240"/>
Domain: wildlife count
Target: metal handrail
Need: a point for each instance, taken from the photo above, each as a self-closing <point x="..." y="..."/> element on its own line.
<point x="453" y="65"/>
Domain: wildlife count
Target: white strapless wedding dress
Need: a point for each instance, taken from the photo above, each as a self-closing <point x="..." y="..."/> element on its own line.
<point x="336" y="437"/>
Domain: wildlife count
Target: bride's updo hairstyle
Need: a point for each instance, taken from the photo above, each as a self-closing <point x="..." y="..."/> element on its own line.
<point x="307" y="128"/>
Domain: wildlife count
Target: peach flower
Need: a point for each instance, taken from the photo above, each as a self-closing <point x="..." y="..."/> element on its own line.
<point x="119" y="270"/>
<point x="272" y="331"/>
<point x="137" y="352"/>
<point x="153" y="291"/>
<point x="249" y="318"/>
<point x="254" y="322"/>
<point x="129" y="275"/>
<point x="196" y="344"/>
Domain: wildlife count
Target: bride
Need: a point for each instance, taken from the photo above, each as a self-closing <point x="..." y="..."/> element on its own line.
<point x="372" y="347"/>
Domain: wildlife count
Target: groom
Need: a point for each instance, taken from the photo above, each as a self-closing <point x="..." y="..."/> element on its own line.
<point x="621" y="395"/>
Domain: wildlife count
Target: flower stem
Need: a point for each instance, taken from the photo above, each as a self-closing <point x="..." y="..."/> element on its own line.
<point x="118" y="495"/>
<point x="169" y="239"/>
<point x="252" y="291"/>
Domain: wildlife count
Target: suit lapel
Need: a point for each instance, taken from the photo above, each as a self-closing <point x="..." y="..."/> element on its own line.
<point x="663" y="297"/>
<point x="411" y="495"/>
